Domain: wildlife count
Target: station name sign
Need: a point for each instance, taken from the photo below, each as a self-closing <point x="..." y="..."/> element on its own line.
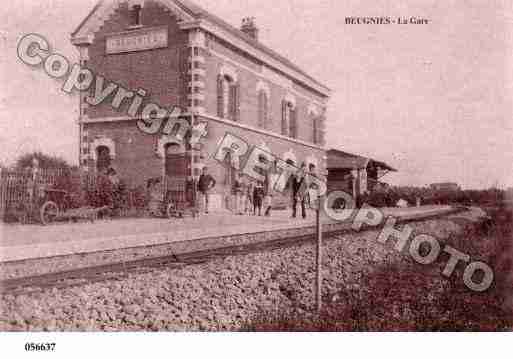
<point x="137" y="40"/>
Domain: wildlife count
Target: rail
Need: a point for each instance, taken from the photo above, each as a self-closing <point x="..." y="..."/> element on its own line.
<point x="120" y="270"/>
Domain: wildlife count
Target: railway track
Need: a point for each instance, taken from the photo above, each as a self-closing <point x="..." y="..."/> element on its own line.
<point x="121" y="270"/>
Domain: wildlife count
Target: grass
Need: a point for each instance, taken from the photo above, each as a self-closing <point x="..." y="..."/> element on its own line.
<point x="409" y="297"/>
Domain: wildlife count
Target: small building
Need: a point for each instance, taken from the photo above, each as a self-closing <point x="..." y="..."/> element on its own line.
<point x="445" y="187"/>
<point x="355" y="174"/>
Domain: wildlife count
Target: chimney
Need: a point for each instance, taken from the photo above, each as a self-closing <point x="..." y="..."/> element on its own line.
<point x="249" y="28"/>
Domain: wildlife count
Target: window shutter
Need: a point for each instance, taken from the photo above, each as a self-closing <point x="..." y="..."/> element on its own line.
<point x="284" y="124"/>
<point x="220" y="109"/>
<point x="293" y="123"/>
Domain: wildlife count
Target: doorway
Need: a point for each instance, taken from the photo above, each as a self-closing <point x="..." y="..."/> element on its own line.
<point x="176" y="163"/>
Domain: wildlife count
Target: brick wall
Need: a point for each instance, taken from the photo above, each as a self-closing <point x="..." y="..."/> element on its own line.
<point x="247" y="73"/>
<point x="161" y="72"/>
<point x="136" y="160"/>
<point x="278" y="147"/>
<point x="135" y="152"/>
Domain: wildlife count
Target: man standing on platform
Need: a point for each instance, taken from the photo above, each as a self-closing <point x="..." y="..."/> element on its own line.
<point x="205" y="185"/>
<point x="299" y="192"/>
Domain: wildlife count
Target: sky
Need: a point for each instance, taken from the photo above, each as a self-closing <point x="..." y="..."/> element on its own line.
<point x="434" y="101"/>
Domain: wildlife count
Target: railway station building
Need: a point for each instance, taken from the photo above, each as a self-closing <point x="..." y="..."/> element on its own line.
<point x="179" y="55"/>
<point x="355" y="174"/>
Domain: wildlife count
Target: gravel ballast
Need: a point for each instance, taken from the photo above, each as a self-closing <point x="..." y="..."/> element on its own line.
<point x="223" y="294"/>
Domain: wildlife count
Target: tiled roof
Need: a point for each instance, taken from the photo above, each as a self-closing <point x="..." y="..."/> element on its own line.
<point x="199" y="13"/>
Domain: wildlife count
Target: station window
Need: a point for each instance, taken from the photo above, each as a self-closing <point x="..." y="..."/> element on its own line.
<point x="263" y="109"/>
<point x="227" y="98"/>
<point x="289" y="119"/>
<point x="136" y="15"/>
<point x="315" y="132"/>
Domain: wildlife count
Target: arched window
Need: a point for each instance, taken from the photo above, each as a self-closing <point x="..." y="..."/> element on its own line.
<point x="319" y="128"/>
<point x="289" y="118"/>
<point x="136" y="15"/>
<point x="264" y="94"/>
<point x="228" y="103"/>
<point x="263" y="109"/>
<point x="313" y="115"/>
<point x="315" y="131"/>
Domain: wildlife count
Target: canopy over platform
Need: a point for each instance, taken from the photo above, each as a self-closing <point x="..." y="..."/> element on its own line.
<point x="344" y="160"/>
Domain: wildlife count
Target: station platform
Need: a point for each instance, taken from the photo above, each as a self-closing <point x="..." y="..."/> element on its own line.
<point x="23" y="242"/>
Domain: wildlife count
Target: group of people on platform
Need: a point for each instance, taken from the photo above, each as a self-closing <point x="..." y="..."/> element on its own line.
<point x="255" y="198"/>
<point x="251" y="198"/>
<point x="301" y="189"/>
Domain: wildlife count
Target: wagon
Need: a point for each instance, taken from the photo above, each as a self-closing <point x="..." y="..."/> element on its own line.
<point x="46" y="206"/>
<point x="55" y="206"/>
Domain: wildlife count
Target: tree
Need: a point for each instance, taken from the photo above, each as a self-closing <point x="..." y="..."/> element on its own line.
<point x="45" y="161"/>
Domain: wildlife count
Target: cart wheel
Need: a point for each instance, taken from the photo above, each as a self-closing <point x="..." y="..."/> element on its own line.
<point x="49" y="212"/>
<point x="170" y="210"/>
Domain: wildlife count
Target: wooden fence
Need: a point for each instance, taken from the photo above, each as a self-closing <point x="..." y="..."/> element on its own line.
<point x="20" y="188"/>
<point x="21" y="191"/>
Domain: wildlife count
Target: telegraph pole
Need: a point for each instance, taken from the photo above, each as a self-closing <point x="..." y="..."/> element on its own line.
<point x="318" y="282"/>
